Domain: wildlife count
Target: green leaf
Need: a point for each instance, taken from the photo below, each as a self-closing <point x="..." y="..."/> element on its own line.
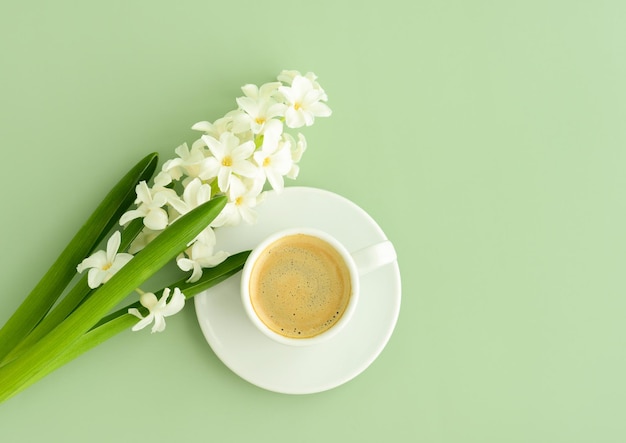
<point x="155" y="255"/>
<point x="70" y="301"/>
<point x="210" y="277"/>
<point x="52" y="284"/>
<point x="86" y="342"/>
<point x="122" y="321"/>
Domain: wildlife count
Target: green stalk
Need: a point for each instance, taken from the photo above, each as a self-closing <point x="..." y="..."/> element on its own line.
<point x="122" y="321"/>
<point x="52" y="284"/>
<point x="71" y="300"/>
<point x="89" y="340"/>
<point x="210" y="277"/>
<point x="153" y="257"/>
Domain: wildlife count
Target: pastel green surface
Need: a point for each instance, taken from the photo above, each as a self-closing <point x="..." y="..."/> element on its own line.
<point x="486" y="138"/>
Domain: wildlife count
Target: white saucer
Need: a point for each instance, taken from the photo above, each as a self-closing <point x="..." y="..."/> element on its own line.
<point x="304" y="369"/>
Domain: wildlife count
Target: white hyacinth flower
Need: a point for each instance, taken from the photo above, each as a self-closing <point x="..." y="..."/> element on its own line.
<point x="257" y="111"/>
<point x="243" y="197"/>
<point x="274" y="158"/>
<point x="229" y="156"/>
<point x="163" y="179"/>
<point x="287" y="77"/>
<point x="266" y="90"/>
<point x="158" y="309"/>
<point x="195" y="193"/>
<point x="103" y="265"/>
<point x="190" y="162"/>
<point x="305" y="102"/>
<point x="200" y="255"/>
<point x="217" y="128"/>
<point x="297" y="149"/>
<point x="150" y="208"/>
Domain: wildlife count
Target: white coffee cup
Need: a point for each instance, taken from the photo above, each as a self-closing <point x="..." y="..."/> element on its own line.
<point x="284" y="244"/>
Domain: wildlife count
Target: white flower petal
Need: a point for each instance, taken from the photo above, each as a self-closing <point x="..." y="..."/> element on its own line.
<point x="156" y="219"/>
<point x="207" y="237"/>
<point x="301" y="85"/>
<point x="131" y="215"/>
<point x="119" y="262"/>
<point x="259" y="157"/>
<point x="276" y="110"/>
<point x="113" y="245"/>
<point x="225" y="217"/>
<point x="135" y="312"/>
<point x="163" y="179"/>
<point x="143" y="192"/>
<point x="293" y="172"/>
<point x="96" y="260"/>
<point x="250" y="90"/>
<point x="184" y="263"/>
<point x="293" y="118"/>
<point x="287" y="76"/>
<point x="159" y="324"/>
<point x="311" y="97"/>
<point x="178" y="205"/>
<point x="143" y="322"/>
<point x="281" y="161"/>
<point x="245" y="168"/>
<point x="275" y="179"/>
<point x="182" y="151"/>
<point x="176" y="303"/>
<point x="242" y="123"/>
<point x="243" y="151"/>
<point x="268" y="89"/>
<point x="223" y="178"/>
<point x="202" y="126"/>
<point x="162" y="302"/>
<point x="249" y="105"/>
<point x="214" y="259"/>
<point x="309" y="118"/>
<point x="95" y="277"/>
<point x="196" y="274"/>
<point x="215" y="146"/>
<point x="297" y="149"/>
<point x="272" y="132"/>
<point x="320" y="109"/>
<point x="248" y="215"/>
<point x="210" y="168"/>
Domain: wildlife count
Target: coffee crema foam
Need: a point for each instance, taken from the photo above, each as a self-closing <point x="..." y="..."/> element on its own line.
<point x="300" y="286"/>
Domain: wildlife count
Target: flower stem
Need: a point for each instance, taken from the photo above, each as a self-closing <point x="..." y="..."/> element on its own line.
<point x="86" y="342"/>
<point x="210" y="277"/>
<point x="79" y="292"/>
<point x="148" y="261"/>
<point x="120" y="320"/>
<point x="50" y="287"/>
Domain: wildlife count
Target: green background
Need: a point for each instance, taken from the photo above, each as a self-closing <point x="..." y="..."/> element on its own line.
<point x="486" y="138"/>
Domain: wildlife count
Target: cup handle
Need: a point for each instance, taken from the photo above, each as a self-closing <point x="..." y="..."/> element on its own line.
<point x="374" y="256"/>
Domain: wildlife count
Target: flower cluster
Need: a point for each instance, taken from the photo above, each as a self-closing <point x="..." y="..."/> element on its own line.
<point x="237" y="155"/>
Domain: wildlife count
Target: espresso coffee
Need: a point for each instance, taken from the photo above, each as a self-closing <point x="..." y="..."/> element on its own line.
<point x="300" y="286"/>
